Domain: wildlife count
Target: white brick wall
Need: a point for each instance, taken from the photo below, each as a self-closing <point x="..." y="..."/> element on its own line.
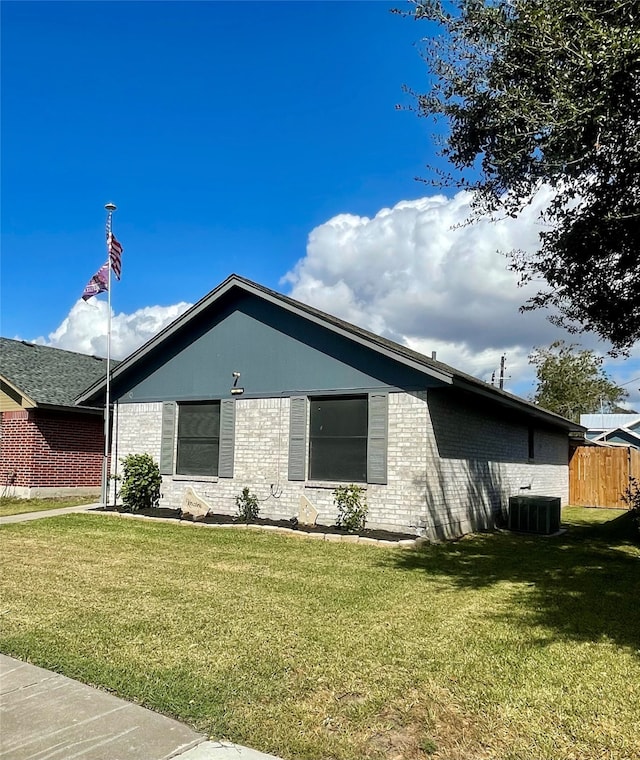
<point x="449" y="469"/>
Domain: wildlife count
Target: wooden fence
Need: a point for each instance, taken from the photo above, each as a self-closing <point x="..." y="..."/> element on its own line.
<point x="598" y="476"/>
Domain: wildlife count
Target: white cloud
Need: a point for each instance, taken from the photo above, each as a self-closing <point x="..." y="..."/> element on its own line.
<point x="84" y="329"/>
<point x="419" y="275"/>
<point x="414" y="273"/>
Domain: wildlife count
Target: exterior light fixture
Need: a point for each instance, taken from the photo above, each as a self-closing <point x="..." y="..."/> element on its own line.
<point x="235" y="391"/>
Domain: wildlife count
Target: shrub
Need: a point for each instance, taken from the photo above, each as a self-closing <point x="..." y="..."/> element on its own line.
<point x="352" y="506"/>
<point x="631" y="498"/>
<point x="141" y="481"/>
<point x="247" y="504"/>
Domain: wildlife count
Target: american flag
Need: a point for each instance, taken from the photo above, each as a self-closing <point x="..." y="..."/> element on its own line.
<point x="115" y="253"/>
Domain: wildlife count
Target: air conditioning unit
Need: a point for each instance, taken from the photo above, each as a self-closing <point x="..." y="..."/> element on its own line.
<point x="534" y="514"/>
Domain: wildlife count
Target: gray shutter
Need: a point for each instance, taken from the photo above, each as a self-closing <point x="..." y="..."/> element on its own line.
<point x="297" y="437"/>
<point x="227" y="437"/>
<point x="168" y="437"/>
<point x="377" y="438"/>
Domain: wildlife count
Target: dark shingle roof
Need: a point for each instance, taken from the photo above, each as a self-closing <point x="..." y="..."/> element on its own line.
<point x="397" y="351"/>
<point x="48" y="376"/>
<point x="460" y="379"/>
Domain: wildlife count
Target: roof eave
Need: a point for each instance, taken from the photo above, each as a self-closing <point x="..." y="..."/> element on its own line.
<point x="441" y="373"/>
<point x="215" y="295"/>
<point x="508" y="400"/>
<point x="437" y="373"/>
<point x="612" y="431"/>
<point x="74" y="408"/>
<point x="24" y="396"/>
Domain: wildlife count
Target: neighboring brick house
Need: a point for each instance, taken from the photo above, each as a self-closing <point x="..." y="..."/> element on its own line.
<point x="48" y="445"/>
<point x="252" y="388"/>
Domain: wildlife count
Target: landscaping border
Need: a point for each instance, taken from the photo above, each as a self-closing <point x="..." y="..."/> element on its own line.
<point x="347" y="538"/>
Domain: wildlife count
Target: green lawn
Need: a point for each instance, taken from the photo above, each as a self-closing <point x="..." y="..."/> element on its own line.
<point x="12" y="506"/>
<point x="496" y="646"/>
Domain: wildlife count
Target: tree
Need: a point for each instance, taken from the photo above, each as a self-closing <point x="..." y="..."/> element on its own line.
<point x="572" y="382"/>
<point x="547" y="93"/>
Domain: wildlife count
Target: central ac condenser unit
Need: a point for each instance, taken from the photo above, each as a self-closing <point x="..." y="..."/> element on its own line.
<point x="534" y="514"/>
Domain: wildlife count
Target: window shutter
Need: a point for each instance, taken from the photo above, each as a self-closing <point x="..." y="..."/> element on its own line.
<point x="377" y="438"/>
<point x="227" y="437"/>
<point x="297" y="437"/>
<point x="167" y="437"/>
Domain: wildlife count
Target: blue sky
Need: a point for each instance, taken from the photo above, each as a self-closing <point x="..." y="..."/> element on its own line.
<point x="259" y="138"/>
<point x="223" y="131"/>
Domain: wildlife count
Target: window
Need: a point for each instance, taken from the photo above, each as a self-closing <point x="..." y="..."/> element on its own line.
<point x="198" y="438"/>
<point x="347" y="440"/>
<point x="531" y="443"/>
<point x="338" y="439"/>
<point x="206" y="438"/>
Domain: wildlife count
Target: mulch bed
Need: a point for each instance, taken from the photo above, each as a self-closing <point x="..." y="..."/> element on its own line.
<point x="217" y="519"/>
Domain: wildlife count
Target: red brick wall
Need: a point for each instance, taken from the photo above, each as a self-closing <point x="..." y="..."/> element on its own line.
<point x="16" y="448"/>
<point x="51" y="449"/>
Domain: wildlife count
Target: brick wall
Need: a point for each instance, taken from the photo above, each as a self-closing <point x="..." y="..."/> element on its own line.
<point x="44" y="453"/>
<point x="452" y="465"/>
<point x="17" y="434"/>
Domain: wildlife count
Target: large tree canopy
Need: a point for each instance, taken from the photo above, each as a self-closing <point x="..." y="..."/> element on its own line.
<point x="571" y="381"/>
<point x="547" y="92"/>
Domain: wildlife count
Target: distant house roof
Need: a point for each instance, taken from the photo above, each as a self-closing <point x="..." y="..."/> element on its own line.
<point x="620" y="435"/>
<point x="46" y="377"/>
<point x="236" y="284"/>
<point x="608" y="421"/>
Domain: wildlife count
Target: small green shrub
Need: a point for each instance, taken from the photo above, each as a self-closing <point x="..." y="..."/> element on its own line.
<point x="631" y="498"/>
<point x="352" y="506"/>
<point x="141" y="481"/>
<point x="247" y="504"/>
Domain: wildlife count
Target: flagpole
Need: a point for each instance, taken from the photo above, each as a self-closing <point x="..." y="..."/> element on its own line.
<point x="110" y="208"/>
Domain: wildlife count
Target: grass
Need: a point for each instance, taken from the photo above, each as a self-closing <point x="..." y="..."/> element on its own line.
<point x="496" y="646"/>
<point x="10" y="505"/>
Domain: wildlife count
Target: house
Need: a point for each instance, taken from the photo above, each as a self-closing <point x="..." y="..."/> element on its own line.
<point x="252" y="388"/>
<point x="48" y="445"/>
<point x="614" y="429"/>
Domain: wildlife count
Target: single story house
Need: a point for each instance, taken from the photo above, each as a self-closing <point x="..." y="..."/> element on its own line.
<point x="614" y="429"/>
<point x="48" y="445"/>
<point x="253" y="388"/>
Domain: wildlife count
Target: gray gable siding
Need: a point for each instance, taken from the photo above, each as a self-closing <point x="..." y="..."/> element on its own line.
<point x="622" y="436"/>
<point x="391" y="365"/>
<point x="275" y="352"/>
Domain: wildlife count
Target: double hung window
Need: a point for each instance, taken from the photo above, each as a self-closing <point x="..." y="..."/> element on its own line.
<point x="205" y="441"/>
<point x="339" y="438"/>
<point x="338" y="430"/>
<point x="198" y="438"/>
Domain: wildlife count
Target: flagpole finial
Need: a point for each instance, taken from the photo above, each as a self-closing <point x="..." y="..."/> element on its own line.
<point x="110" y="207"/>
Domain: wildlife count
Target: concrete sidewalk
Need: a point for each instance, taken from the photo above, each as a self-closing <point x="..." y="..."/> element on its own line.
<point x="26" y="516"/>
<point x="46" y="716"/>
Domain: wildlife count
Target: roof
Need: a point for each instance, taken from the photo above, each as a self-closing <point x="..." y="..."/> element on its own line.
<point x="387" y="347"/>
<point x="620" y="432"/>
<point x="45" y="376"/>
<point x="608" y="421"/>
